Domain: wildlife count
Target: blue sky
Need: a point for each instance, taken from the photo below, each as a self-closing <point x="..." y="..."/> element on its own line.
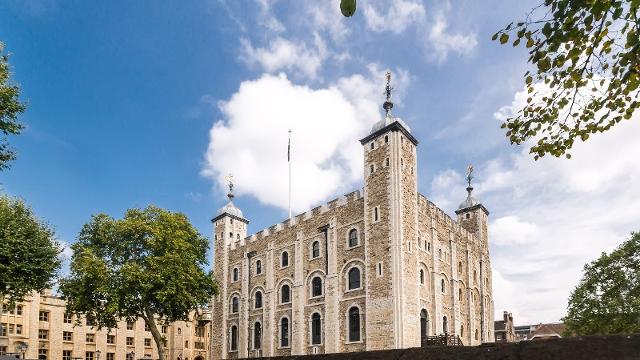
<point x="148" y="102"/>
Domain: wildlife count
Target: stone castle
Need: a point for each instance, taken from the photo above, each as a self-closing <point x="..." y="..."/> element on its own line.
<point x="379" y="268"/>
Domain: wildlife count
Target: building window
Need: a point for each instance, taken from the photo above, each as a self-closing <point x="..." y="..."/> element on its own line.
<point x="316" y="287"/>
<point x="234" y="305"/>
<point x="475" y="276"/>
<point x="372" y="169"/>
<point x="445" y="327"/>
<point x="284" y="332"/>
<point x="68" y="318"/>
<point x="315" y="250"/>
<point x="43" y="316"/>
<point x="476" y="335"/>
<point x="129" y="341"/>
<point x="285" y="294"/>
<point x="386" y="139"/>
<point x="354" y="278"/>
<point x="439" y="253"/>
<point x="67" y="336"/>
<point x="43" y="334"/>
<point x="147" y="342"/>
<point x="354" y="324"/>
<point x="111" y="356"/>
<point x="353" y="238"/>
<point x="258" y="300"/>
<point x="460" y="294"/>
<point x="88" y="355"/>
<point x="428" y="246"/>
<point x="258" y="267"/>
<point x="234" y="338"/>
<point x="111" y="339"/>
<point x="146" y="327"/>
<point x="373" y="145"/>
<point x="129" y="356"/>
<point x="442" y="285"/>
<point x="200" y="331"/>
<point x="18" y="329"/>
<point x="376" y="215"/>
<point x="67" y="355"/>
<point x="235" y="274"/>
<point x="467" y="216"/>
<point x="91" y="338"/>
<point x="186" y="344"/>
<point x="257" y="335"/>
<point x="284" y="262"/>
<point x="19" y="310"/>
<point x="164" y="329"/>
<point x="386" y="162"/>
<point x="421" y="277"/>
<point x="130" y="325"/>
<point x="3" y="350"/>
<point x="379" y="269"/>
<point x="316" y="329"/>
<point x="3" y="329"/>
<point x="42" y="354"/>
<point x="461" y="331"/>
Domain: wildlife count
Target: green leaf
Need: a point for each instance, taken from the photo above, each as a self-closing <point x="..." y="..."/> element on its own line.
<point x="504" y="38"/>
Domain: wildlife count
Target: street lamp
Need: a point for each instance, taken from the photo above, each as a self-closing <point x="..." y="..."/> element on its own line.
<point x="23" y="348"/>
<point x="133" y="355"/>
<point x="98" y="352"/>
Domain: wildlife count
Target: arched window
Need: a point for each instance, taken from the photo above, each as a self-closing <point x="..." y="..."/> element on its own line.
<point x="234" y="338"/>
<point x="445" y="327"/>
<point x="475" y="276"/>
<point x="285" y="294"/>
<point x="460" y="294"/>
<point x="442" y="286"/>
<point x="257" y="335"/>
<point x="424" y="327"/>
<point x="284" y="332"/>
<point x="284" y="262"/>
<point x="258" y="300"/>
<point x="421" y="277"/>
<point x="354" y="278"/>
<point x="439" y="253"/>
<point x="315" y="250"/>
<point x="354" y="324"/>
<point x="316" y="286"/>
<point x="375" y="214"/>
<point x="476" y="336"/>
<point x="316" y="329"/>
<point x="353" y="238"/>
<point x="460" y="267"/>
<point x="235" y="274"/>
<point x="258" y="267"/>
<point x="461" y="331"/>
<point x="234" y="305"/>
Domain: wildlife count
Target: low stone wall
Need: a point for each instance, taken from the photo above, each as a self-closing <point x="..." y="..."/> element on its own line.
<point x="616" y="347"/>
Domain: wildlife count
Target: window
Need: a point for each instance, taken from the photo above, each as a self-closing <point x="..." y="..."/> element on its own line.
<point x="467" y="215"/>
<point x="91" y="338"/>
<point x="200" y="331"/>
<point x="316" y="287"/>
<point x="147" y="342"/>
<point x="43" y="334"/>
<point x="129" y="356"/>
<point x="354" y="278"/>
<point x="186" y="344"/>
<point x="258" y="267"/>
<point x="3" y="329"/>
<point x="18" y="329"/>
<point x="88" y="355"/>
<point x="373" y="145"/>
<point x="5" y="309"/>
<point x="3" y="350"/>
<point x="164" y="329"/>
<point x="146" y="327"/>
<point x="442" y="285"/>
<point x="439" y="253"/>
<point x="258" y="300"/>
<point x="111" y="339"/>
<point x="66" y="355"/>
<point x="284" y="261"/>
<point x="428" y="246"/>
<point x="111" y="356"/>
<point x="129" y="341"/>
<point x="130" y="325"/>
<point x="424" y="327"/>
<point x="19" y="310"/>
<point x="234" y="305"/>
<point x="42" y="354"/>
<point x="235" y="274"/>
<point x="316" y="329"/>
<point x="460" y="294"/>
<point x="421" y="277"/>
<point x="379" y="269"/>
<point x="257" y="335"/>
<point x="475" y="276"/>
<point x="67" y="336"/>
<point x="353" y="238"/>
<point x="386" y="139"/>
<point x="284" y="332"/>
<point x="285" y="294"/>
<point x="315" y="250"/>
<point x="12" y="328"/>
<point x="68" y="318"/>
<point x="462" y="331"/>
<point x="445" y="327"/>
<point x="459" y="267"/>
<point x="476" y="335"/>
<point x="376" y="215"/>
<point x="43" y="316"/>
<point x="234" y="338"/>
<point x="354" y="324"/>
<point x="386" y="162"/>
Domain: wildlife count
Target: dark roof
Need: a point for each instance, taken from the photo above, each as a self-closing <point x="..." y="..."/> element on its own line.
<point x="394" y="126"/>
<point x="498" y="325"/>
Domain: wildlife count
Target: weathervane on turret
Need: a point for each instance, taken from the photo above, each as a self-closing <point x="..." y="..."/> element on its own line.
<point x="229" y="180"/>
<point x="469" y="178"/>
<point x="388" y="104"/>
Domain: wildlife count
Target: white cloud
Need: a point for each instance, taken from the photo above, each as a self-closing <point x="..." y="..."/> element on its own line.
<point x="325" y="16"/>
<point x="394" y="16"/>
<point x="283" y="54"/>
<point x="442" y="43"/>
<point x="251" y="141"/>
<point x="267" y="19"/>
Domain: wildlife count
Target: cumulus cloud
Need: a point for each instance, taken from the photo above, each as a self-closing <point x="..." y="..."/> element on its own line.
<point x="394" y="16"/>
<point x="283" y="54"/>
<point x="442" y="42"/>
<point x="251" y="140"/>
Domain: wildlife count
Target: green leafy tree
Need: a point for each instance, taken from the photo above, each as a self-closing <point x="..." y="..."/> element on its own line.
<point x="28" y="252"/>
<point x="148" y="265"/>
<point x="607" y="299"/>
<point x="10" y="108"/>
<point x="587" y="55"/>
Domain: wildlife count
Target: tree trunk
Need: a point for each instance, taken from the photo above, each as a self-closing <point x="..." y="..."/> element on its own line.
<point x="150" y="320"/>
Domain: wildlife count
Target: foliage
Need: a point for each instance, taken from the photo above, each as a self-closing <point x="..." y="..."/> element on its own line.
<point x="587" y="55"/>
<point x="10" y="108"/>
<point x="28" y="251"/>
<point x="607" y="299"/>
<point x="348" y="7"/>
<point x="148" y="265"/>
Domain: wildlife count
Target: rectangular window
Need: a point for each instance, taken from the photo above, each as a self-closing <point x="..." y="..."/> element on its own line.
<point x="42" y="354"/>
<point x="43" y="316"/>
<point x="130" y="325"/>
<point x="88" y="355"/>
<point x="111" y="339"/>
<point x="200" y="331"/>
<point x="129" y="341"/>
<point x="147" y="342"/>
<point x="3" y="350"/>
<point x="3" y="329"/>
<point x="12" y="329"/>
<point x="66" y="355"/>
<point x="19" y="310"/>
<point x="199" y="345"/>
<point x="5" y="308"/>
<point x="67" y="336"/>
<point x="43" y="334"/>
<point x="68" y="318"/>
<point x="91" y="338"/>
<point x="111" y="356"/>
<point x="146" y="327"/>
<point x="164" y="329"/>
<point x="129" y="356"/>
<point x="19" y="329"/>
<point x="379" y="269"/>
<point x="186" y="344"/>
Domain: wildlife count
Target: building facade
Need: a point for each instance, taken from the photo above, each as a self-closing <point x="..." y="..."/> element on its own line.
<point x="42" y="324"/>
<point x="504" y="330"/>
<point x="379" y="268"/>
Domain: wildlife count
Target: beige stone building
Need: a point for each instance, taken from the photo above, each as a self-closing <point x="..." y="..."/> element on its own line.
<point x="379" y="268"/>
<point x="49" y="333"/>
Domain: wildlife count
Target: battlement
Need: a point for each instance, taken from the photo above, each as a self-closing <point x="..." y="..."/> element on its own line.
<point x="441" y="215"/>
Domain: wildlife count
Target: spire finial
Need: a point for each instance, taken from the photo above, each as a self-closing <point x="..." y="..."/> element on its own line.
<point x="388" y="104"/>
<point x="229" y="180"/>
<point x="469" y="178"/>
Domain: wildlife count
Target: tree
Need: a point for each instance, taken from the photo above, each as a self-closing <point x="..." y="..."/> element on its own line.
<point x="148" y="265"/>
<point x="10" y="108"/>
<point x="607" y="299"/>
<point x="587" y="56"/>
<point x="28" y="252"/>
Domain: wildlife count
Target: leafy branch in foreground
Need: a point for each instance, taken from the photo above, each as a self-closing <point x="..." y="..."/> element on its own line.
<point x="10" y="108"/>
<point x="587" y="55"/>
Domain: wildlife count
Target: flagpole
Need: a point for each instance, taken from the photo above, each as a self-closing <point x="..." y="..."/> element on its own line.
<point x="289" y="160"/>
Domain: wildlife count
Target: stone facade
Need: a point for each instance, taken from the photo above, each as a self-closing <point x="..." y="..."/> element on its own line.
<point x="41" y="324"/>
<point x="419" y="272"/>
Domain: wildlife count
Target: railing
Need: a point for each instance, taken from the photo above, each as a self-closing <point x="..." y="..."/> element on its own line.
<point x="442" y="340"/>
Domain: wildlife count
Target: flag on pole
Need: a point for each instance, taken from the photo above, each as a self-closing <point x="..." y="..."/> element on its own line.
<point x="289" y="147"/>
